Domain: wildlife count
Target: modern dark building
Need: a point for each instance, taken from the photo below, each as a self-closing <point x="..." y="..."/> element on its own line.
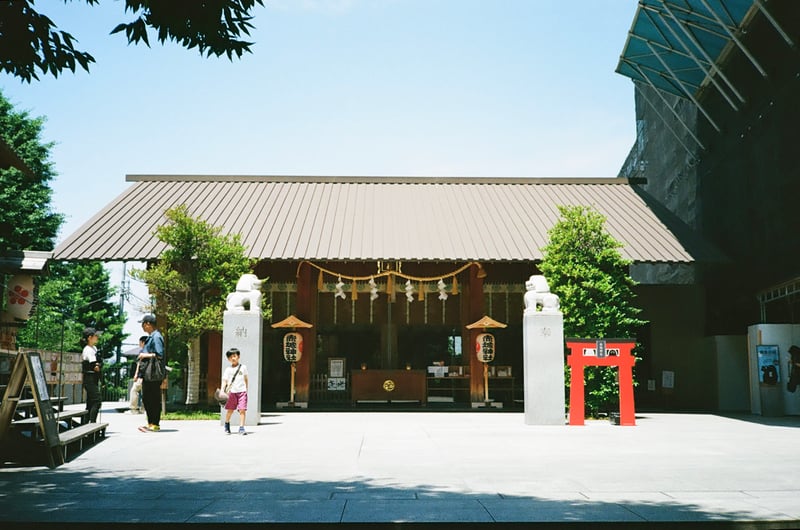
<point x="717" y="110"/>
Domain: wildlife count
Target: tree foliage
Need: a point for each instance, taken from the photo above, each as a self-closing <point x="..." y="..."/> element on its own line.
<point x="584" y="268"/>
<point x="30" y="40"/>
<point x="191" y="281"/>
<point x="77" y="295"/>
<point x="27" y="221"/>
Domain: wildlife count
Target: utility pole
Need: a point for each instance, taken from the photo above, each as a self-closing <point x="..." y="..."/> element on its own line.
<point x="122" y="294"/>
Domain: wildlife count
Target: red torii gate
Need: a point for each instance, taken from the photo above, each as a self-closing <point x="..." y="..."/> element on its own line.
<point x="601" y="352"/>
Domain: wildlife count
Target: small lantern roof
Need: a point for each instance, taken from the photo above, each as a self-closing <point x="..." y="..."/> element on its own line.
<point x="292" y="322"/>
<point x="486" y="322"/>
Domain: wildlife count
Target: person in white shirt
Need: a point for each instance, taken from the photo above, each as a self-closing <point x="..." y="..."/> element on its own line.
<point x="234" y="381"/>
<point x="92" y="365"/>
<point x="136" y="387"/>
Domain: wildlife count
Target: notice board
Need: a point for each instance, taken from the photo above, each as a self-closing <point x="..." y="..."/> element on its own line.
<point x="28" y="369"/>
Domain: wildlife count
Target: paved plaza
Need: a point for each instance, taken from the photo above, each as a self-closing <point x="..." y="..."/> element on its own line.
<point x="339" y="468"/>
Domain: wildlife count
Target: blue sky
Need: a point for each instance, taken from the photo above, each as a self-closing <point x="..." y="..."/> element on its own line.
<point x="521" y="88"/>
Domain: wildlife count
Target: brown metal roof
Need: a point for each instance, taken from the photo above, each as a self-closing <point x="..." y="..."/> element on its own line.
<point x="372" y="218"/>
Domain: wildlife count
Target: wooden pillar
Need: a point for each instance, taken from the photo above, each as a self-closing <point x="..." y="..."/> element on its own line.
<point x="214" y="359"/>
<point x="306" y="311"/>
<point x="627" y="410"/>
<point x="577" y="407"/>
<point x="475" y="311"/>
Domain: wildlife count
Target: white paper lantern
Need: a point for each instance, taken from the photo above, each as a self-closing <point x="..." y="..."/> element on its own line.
<point x="484" y="347"/>
<point x="292" y="347"/>
<point x="19" y="296"/>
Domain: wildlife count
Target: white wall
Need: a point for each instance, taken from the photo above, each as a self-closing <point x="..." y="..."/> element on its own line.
<point x="782" y="335"/>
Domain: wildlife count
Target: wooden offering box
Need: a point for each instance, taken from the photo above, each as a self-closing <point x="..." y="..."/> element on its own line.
<point x="388" y="385"/>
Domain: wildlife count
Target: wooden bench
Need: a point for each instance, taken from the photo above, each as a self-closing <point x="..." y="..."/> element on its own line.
<point x="27" y="406"/>
<point x="29" y="402"/>
<point x="71" y="416"/>
<point x="23" y="408"/>
<point x="68" y="415"/>
<point x="81" y="434"/>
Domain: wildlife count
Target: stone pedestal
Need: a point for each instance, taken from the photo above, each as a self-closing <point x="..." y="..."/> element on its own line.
<point x="243" y="330"/>
<point x="543" y="345"/>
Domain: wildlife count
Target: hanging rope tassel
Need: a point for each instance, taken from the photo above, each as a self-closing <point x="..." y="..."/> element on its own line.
<point x="354" y="291"/>
<point x="320" y="283"/>
<point x="390" y="287"/>
<point x="455" y="286"/>
<point x="421" y="293"/>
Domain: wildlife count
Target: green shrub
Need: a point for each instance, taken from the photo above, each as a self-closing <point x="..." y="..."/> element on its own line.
<point x="584" y="268"/>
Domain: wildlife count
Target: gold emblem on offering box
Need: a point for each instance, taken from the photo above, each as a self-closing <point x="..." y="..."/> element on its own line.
<point x="388" y="385"/>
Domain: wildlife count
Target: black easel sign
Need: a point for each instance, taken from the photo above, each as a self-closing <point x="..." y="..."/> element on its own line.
<point x="44" y="408"/>
<point x="28" y="368"/>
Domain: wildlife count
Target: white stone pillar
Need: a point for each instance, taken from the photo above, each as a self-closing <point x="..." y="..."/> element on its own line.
<point x="243" y="331"/>
<point x="242" y="327"/>
<point x="543" y="347"/>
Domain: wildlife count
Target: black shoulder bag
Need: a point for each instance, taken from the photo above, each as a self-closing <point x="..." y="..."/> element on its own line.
<point x="154" y="370"/>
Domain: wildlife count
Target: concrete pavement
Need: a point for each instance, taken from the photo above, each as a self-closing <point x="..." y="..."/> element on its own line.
<point x="409" y="467"/>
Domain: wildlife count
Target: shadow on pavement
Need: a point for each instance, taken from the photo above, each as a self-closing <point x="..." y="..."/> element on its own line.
<point x="68" y="499"/>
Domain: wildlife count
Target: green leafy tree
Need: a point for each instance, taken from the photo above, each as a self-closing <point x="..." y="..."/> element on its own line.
<point x="190" y="282"/>
<point x="75" y="295"/>
<point x="69" y="296"/>
<point x="27" y="221"/>
<point x="30" y="40"/>
<point x="584" y="268"/>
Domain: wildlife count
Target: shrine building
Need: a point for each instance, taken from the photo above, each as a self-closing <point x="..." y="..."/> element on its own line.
<point x="390" y="272"/>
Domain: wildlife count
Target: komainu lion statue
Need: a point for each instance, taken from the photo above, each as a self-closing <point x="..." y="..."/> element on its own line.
<point x="539" y="298"/>
<point x="247" y="297"/>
